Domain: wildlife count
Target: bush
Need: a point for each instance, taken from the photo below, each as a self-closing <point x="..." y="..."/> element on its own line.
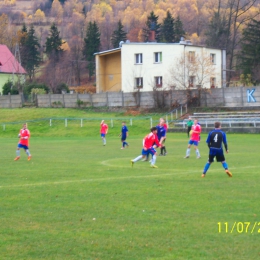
<point x="28" y="88"/>
<point x="7" y="88"/>
<point x="62" y="87"/>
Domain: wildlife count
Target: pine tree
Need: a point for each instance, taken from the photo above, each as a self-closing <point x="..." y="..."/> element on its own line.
<point x="118" y="35"/>
<point x="152" y="25"/>
<point x="91" y="45"/>
<point x="217" y="32"/>
<point x="167" y="29"/>
<point x="22" y="40"/>
<point x="33" y="53"/>
<point x="249" y="56"/>
<point x="178" y="28"/>
<point x="53" y="44"/>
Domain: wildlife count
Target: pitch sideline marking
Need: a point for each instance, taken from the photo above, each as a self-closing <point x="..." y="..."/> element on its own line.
<point x="110" y="179"/>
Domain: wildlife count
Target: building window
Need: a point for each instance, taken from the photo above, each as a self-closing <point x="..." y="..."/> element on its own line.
<point x="158" y="57"/>
<point x="191" y="56"/>
<point x="191" y="81"/>
<point x="213" y="58"/>
<point x="212" y="82"/>
<point x="138" y="82"/>
<point x="158" y="82"/>
<point x="139" y="58"/>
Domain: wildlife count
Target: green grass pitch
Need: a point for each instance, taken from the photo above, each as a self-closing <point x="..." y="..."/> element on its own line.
<point x="79" y="200"/>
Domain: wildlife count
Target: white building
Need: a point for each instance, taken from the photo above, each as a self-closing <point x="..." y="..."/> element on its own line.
<point x="159" y="65"/>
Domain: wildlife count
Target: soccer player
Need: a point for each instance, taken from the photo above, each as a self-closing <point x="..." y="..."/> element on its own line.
<point x="189" y="125"/>
<point x="124" y="135"/>
<point x="194" y="140"/>
<point x="103" y="131"/>
<point x="161" y="134"/>
<point x="23" y="136"/>
<point x="214" y="141"/>
<point x="148" y="147"/>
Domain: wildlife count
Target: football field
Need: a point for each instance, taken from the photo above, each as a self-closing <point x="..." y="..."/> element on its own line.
<point x="78" y="199"/>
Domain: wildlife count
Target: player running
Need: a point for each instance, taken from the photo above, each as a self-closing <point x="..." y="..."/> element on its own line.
<point x="103" y="131"/>
<point x="124" y="135"/>
<point x="194" y="140"/>
<point x="148" y="147"/>
<point x="214" y="141"/>
<point x="24" y="136"/>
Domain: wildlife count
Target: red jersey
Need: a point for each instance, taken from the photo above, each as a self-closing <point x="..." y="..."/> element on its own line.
<point x="24" y="137"/>
<point x="166" y="127"/>
<point x="195" y="136"/>
<point x="149" y="141"/>
<point x="103" y="128"/>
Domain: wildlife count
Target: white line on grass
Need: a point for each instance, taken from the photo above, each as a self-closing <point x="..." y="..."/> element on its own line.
<point x="117" y="178"/>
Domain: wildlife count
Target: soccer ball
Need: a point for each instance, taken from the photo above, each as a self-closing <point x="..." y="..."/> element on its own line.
<point x="191" y="132"/>
<point x="19" y="136"/>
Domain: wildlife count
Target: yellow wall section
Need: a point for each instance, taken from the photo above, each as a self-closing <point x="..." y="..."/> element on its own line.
<point x="110" y="72"/>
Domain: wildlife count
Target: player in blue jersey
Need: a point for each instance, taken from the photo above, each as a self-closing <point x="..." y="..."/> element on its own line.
<point x="161" y="134"/>
<point x="124" y="135"/>
<point x="214" y="141"/>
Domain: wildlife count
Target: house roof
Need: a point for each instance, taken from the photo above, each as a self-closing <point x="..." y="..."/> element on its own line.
<point x="8" y="63"/>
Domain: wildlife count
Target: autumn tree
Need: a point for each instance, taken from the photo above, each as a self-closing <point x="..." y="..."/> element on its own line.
<point x="167" y="28"/>
<point x="57" y="10"/>
<point x="118" y="35"/>
<point x="151" y="25"/>
<point x="39" y="16"/>
<point x="91" y="45"/>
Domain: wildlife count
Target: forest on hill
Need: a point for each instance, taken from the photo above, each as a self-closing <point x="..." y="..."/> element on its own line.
<point x="226" y="24"/>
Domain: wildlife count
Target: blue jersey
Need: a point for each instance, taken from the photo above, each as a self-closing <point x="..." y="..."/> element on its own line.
<point x="161" y="132"/>
<point x="124" y="130"/>
<point x="215" y="139"/>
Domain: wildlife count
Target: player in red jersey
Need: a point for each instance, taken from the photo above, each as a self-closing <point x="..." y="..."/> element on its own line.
<point x="194" y="140"/>
<point x="148" y="147"/>
<point x="24" y="136"/>
<point x="103" y="131"/>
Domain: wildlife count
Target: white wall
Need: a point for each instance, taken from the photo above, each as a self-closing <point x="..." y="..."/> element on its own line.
<point x="171" y="54"/>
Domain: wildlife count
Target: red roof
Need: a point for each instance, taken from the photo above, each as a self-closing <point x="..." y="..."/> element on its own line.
<point x="8" y="63"/>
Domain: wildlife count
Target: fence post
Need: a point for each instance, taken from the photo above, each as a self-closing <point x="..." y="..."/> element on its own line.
<point x="50" y="122"/>
<point x="242" y="97"/>
<point x="91" y="99"/>
<point x="123" y="101"/>
<point x="3" y="127"/>
<point x="50" y="99"/>
<point x="181" y="110"/>
<point x="10" y="100"/>
<point x="81" y="122"/>
<point x="66" y="122"/>
<point x="151" y="121"/>
<point x="131" y="123"/>
<point x="107" y="99"/>
<point x="112" y="123"/>
<point x="63" y="100"/>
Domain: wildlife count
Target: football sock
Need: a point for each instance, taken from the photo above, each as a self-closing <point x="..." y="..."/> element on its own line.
<point x="188" y="152"/>
<point x="137" y="158"/>
<point x="28" y="152"/>
<point x="225" y="166"/>
<point x="17" y="152"/>
<point x="198" y="152"/>
<point x="153" y="159"/>
<point x="164" y="148"/>
<point x="104" y="140"/>
<point x="206" y="167"/>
